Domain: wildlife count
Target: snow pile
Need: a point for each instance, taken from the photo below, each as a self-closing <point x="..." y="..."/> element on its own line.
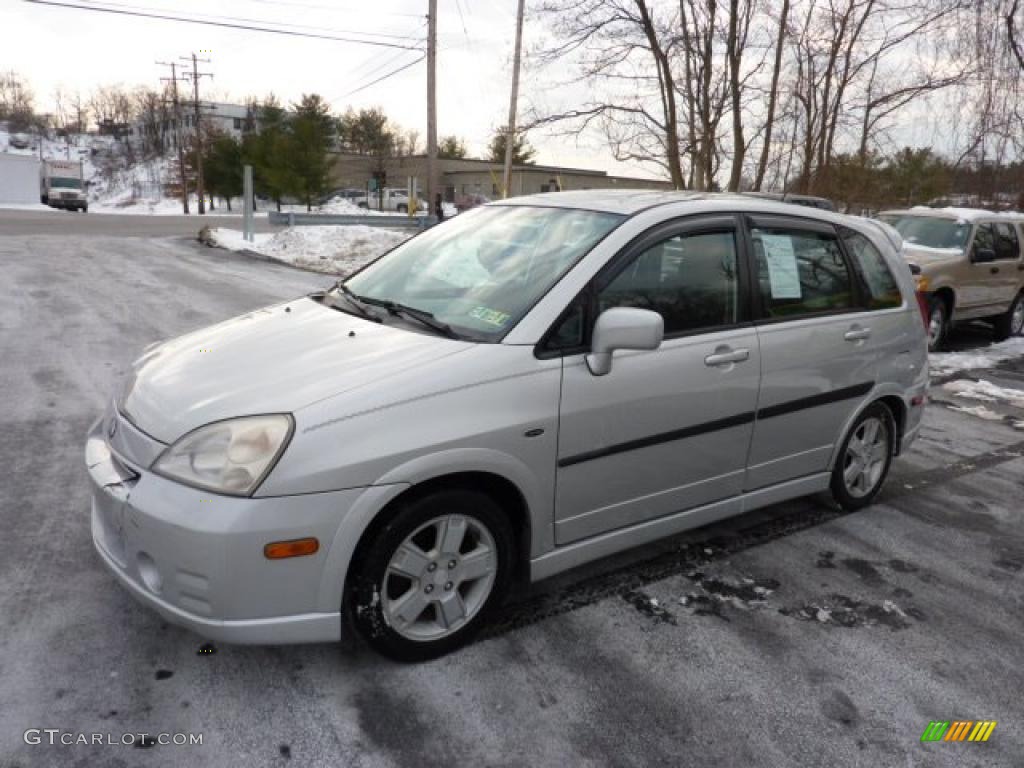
<point x="946" y="363"/>
<point x="986" y="391"/>
<point x="334" y="250"/>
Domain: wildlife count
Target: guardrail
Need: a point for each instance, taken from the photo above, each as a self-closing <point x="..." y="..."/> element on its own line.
<point x="280" y="219"/>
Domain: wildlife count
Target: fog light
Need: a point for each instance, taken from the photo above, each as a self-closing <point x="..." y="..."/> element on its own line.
<point x="295" y="548"/>
<point x="149" y="573"/>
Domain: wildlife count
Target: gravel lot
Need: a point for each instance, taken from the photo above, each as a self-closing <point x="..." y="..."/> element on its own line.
<point x="795" y="636"/>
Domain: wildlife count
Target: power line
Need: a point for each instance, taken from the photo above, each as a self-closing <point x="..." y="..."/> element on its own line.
<point x="246" y="27"/>
<point x="243" y="19"/>
<point x="372" y="65"/>
<point x="332" y="8"/>
<point x="383" y="78"/>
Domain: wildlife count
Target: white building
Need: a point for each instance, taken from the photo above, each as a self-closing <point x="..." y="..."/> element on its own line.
<point x="229" y="119"/>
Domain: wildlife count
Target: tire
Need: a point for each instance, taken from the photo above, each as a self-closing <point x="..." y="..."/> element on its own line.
<point x="414" y="596"/>
<point x="364" y="206"/>
<point x="860" y="472"/>
<point x="1011" y="323"/>
<point x="938" y="323"/>
<point x="403" y="208"/>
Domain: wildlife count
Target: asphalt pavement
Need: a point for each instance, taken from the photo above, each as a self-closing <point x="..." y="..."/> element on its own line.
<point x="793" y="636"/>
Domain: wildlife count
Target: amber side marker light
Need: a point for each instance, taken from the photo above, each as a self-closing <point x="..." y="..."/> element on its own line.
<point x="278" y="550"/>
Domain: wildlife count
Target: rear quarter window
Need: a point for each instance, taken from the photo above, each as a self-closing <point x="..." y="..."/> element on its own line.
<point x="883" y="291"/>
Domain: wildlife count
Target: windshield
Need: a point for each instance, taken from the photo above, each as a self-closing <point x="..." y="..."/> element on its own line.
<point x="481" y="271"/>
<point x="65" y="183"/>
<point x="929" y="231"/>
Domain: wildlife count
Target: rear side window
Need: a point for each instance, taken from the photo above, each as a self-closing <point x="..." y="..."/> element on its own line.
<point x="883" y="291"/>
<point x="1007" y="246"/>
<point x="801" y="273"/>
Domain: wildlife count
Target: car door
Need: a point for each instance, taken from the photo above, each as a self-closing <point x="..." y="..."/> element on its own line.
<point x="975" y="289"/>
<point x="668" y="429"/>
<point x="1003" y="273"/>
<point x="818" y="355"/>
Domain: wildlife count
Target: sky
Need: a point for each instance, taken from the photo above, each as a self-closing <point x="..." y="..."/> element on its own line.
<point x="74" y="49"/>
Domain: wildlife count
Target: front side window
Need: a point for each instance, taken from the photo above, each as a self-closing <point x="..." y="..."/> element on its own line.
<point x="1007" y="246"/>
<point x="481" y="271"/>
<point x="984" y="238"/>
<point x="883" y="291"/>
<point x="800" y="273"/>
<point x="690" y="280"/>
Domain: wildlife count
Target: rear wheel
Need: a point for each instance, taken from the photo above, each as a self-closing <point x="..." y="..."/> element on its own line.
<point x="938" y="323"/>
<point x="864" y="458"/>
<point x="403" y="208"/>
<point x="1011" y="323"/>
<point x="430" y="578"/>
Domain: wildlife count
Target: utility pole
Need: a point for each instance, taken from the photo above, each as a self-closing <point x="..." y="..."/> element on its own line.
<point x="173" y="79"/>
<point x="194" y="76"/>
<point x="510" y="134"/>
<point x="432" y="175"/>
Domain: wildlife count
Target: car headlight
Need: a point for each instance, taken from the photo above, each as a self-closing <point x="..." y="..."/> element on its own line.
<point x="230" y="457"/>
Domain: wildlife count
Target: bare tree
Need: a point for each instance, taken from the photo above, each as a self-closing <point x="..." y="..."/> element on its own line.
<point x="622" y="55"/>
<point x="773" y="97"/>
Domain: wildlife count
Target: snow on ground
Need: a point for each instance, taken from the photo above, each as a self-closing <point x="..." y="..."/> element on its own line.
<point x="334" y="250"/>
<point x="987" y="391"/>
<point x="946" y="363"/>
<point x="978" y="410"/>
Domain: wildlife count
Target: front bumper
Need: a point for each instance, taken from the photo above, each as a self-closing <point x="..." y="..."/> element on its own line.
<point x="197" y="558"/>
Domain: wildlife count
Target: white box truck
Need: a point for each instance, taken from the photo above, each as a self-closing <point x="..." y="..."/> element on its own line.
<point x="19" y="176"/>
<point x="62" y="185"/>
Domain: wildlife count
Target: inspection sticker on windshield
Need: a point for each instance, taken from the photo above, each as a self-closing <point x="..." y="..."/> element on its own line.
<point x="782" y="270"/>
<point x="489" y="316"/>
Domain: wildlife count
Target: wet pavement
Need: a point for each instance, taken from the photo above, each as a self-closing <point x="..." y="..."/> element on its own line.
<point x="796" y="635"/>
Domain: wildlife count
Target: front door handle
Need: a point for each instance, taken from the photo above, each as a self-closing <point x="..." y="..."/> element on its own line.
<point x="857" y="334"/>
<point x="726" y="355"/>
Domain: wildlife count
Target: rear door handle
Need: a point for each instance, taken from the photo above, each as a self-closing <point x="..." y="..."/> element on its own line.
<point x="857" y="334"/>
<point x="994" y="270"/>
<point x="726" y="356"/>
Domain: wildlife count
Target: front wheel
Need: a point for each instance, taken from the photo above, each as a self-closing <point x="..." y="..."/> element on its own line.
<point x="1011" y="323"/>
<point x="403" y="208"/>
<point x="432" y="575"/>
<point x="864" y="458"/>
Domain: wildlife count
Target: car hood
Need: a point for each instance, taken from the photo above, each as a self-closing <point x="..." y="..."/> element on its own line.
<point x="273" y="360"/>
<point x="922" y="255"/>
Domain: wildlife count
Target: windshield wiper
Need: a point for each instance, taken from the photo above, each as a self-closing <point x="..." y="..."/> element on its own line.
<point x="424" y="317"/>
<point x="357" y="302"/>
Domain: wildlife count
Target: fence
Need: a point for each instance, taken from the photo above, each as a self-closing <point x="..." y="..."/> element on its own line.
<point x="279" y="219"/>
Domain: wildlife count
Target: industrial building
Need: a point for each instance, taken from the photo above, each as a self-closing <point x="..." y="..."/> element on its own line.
<point x="477" y="177"/>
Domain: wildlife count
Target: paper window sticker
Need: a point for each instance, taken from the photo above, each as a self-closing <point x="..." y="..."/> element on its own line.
<point x="783" y="273"/>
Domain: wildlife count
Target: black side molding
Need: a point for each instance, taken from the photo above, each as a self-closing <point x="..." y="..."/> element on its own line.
<point x="792" y="406"/>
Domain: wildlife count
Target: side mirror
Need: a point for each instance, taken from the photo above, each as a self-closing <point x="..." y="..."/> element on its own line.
<point x="623" y="328"/>
<point x="983" y="255"/>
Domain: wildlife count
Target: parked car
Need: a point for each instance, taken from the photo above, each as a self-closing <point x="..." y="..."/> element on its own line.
<point x="345" y="194"/>
<point x="467" y="202"/>
<point x="527" y="387"/>
<point x="967" y="265"/>
<point x="394" y="199"/>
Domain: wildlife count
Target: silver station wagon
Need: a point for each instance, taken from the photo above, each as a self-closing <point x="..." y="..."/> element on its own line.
<point x="532" y="385"/>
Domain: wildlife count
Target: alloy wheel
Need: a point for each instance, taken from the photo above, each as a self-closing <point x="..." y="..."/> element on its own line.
<point x="936" y="322"/>
<point x="865" y="458"/>
<point x="1017" y="318"/>
<point x="439" y="578"/>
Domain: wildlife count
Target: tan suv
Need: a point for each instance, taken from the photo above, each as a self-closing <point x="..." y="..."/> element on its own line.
<point x="967" y="265"/>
